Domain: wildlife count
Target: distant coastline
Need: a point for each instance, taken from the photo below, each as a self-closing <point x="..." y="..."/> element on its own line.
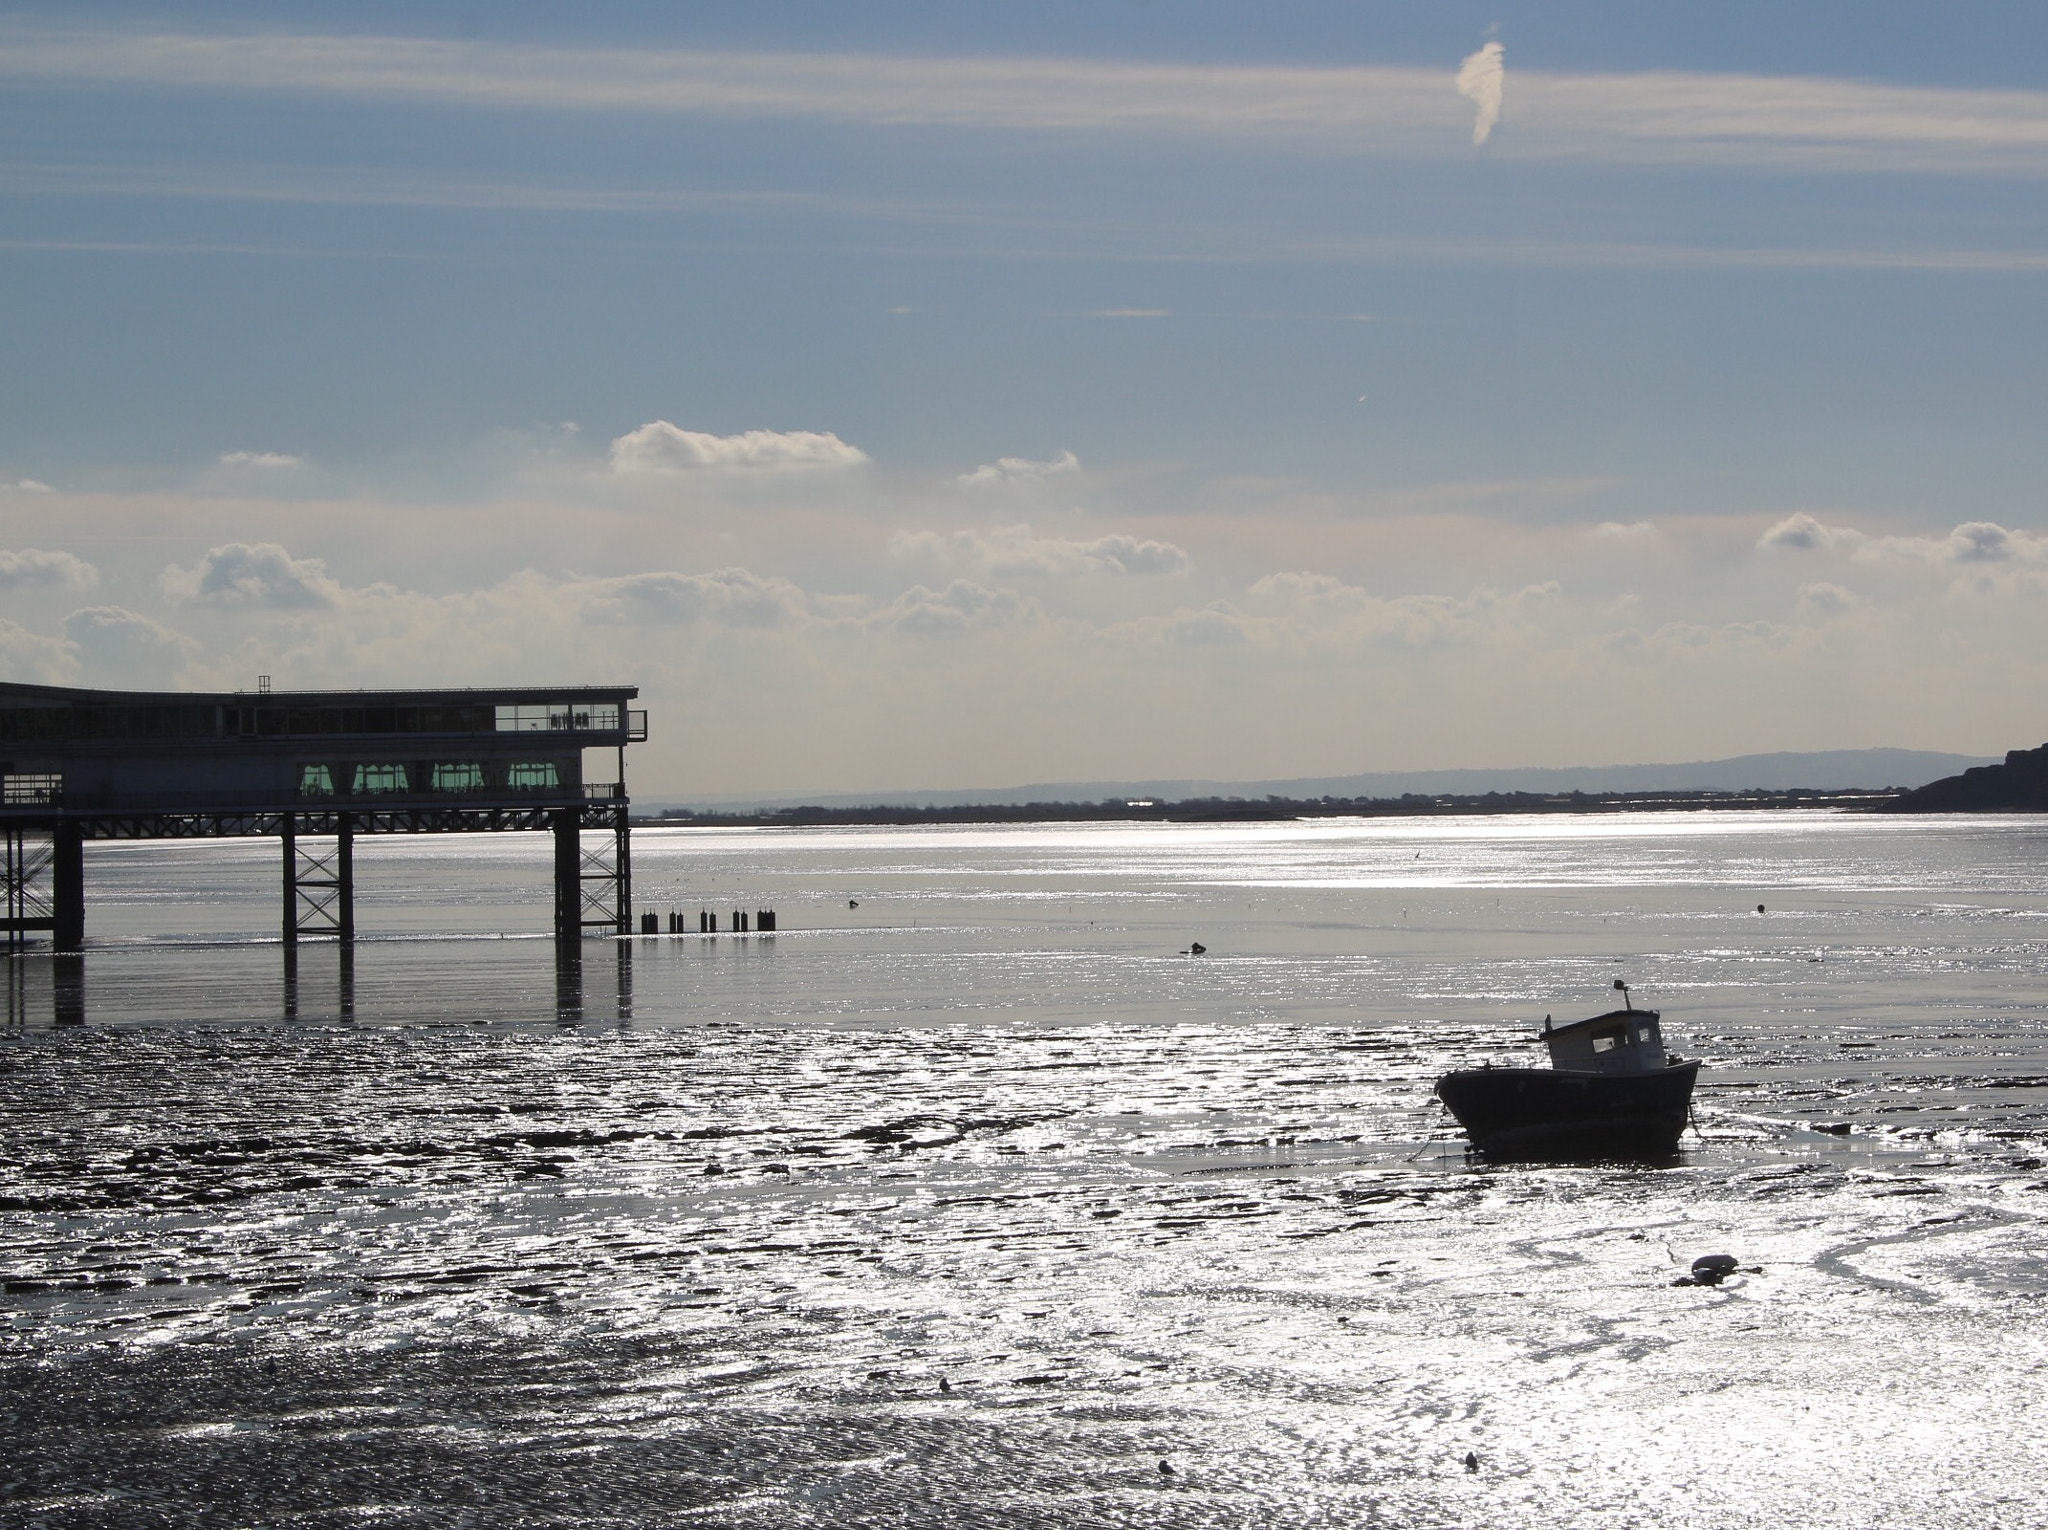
<point x="1274" y="809"/>
<point x="1833" y="770"/>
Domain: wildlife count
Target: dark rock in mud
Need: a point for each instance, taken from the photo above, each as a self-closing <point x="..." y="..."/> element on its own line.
<point x="1710" y="1270"/>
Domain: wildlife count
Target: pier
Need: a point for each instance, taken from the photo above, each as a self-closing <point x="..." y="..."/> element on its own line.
<point x="315" y="770"/>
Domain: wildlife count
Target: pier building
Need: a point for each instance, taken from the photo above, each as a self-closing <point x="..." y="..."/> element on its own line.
<point x="314" y="769"/>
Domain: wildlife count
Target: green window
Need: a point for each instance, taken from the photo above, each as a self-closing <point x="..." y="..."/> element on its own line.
<point x="458" y="778"/>
<point x="316" y="781"/>
<point x="381" y="778"/>
<point x="541" y="773"/>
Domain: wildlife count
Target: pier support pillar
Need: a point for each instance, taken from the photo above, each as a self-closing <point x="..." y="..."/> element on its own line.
<point x="345" y="877"/>
<point x="67" y="888"/>
<point x="568" y="876"/>
<point x="622" y="867"/>
<point x="288" y="840"/>
<point x="319" y="888"/>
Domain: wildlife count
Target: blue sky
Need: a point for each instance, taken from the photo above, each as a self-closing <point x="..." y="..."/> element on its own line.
<point x="946" y="395"/>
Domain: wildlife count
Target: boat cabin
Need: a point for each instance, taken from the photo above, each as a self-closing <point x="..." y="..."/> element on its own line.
<point x="1621" y="1041"/>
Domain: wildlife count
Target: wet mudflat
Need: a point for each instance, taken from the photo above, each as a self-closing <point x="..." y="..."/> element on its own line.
<point x="978" y="1204"/>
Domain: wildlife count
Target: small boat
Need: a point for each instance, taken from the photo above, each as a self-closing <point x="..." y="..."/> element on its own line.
<point x="1610" y="1089"/>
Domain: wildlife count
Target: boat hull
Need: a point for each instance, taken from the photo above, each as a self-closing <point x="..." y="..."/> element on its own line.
<point x="1536" y="1111"/>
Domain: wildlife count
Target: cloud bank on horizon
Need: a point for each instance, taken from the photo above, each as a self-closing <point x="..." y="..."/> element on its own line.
<point x="1016" y="406"/>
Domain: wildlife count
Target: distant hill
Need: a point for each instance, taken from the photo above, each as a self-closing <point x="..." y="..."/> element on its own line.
<point x="1825" y="770"/>
<point x="2019" y="785"/>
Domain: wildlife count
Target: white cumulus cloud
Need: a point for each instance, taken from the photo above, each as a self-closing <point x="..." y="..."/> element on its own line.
<point x="1988" y="542"/>
<point x="272" y="461"/>
<point x="1802" y="533"/>
<point x="961" y="606"/>
<point x="659" y="447"/>
<point x="26" y="655"/>
<point x="730" y="597"/>
<point x="1969" y="544"/>
<point x="1015" y="550"/>
<point x="1821" y="601"/>
<point x="127" y="647"/>
<point x="34" y="568"/>
<point x="252" y="574"/>
<point x="1216" y="625"/>
<point x="1017" y="470"/>
<point x="1316" y="609"/>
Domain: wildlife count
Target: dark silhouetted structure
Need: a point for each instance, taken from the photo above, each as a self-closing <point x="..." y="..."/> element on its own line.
<point x="78" y="765"/>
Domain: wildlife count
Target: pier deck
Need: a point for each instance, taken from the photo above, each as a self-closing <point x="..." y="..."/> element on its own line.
<point x="79" y="765"/>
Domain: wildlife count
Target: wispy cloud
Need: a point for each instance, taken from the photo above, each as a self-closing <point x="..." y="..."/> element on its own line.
<point x="1074" y="239"/>
<point x="1662" y="117"/>
<point x="940" y="226"/>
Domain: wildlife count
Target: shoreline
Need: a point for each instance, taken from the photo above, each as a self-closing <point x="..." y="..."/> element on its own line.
<point x="1284" y="809"/>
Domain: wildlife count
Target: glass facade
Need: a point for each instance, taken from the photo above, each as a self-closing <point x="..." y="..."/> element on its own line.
<point x="557" y="717"/>
<point x="459" y="778"/>
<point x="372" y="779"/>
<point x="529" y="775"/>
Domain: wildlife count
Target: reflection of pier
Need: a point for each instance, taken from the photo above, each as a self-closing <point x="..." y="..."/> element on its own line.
<point x="315" y="769"/>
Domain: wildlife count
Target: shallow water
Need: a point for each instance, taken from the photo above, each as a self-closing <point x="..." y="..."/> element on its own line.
<point x="977" y="1202"/>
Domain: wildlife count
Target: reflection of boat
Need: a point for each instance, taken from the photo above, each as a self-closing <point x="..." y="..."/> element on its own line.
<point x="1610" y="1087"/>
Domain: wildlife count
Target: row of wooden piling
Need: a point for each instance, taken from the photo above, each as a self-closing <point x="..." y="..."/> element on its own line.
<point x="761" y="922"/>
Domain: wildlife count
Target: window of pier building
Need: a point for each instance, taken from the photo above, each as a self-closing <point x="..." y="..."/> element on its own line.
<point x="558" y="717"/>
<point x="109" y="722"/>
<point x="34" y="788"/>
<point x="275" y="721"/>
<point x="531" y="775"/>
<point x="463" y="777"/>
<point x="316" y="781"/>
<point x="373" y="779"/>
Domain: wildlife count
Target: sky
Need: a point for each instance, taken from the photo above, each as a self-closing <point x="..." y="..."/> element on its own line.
<point x="939" y="395"/>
